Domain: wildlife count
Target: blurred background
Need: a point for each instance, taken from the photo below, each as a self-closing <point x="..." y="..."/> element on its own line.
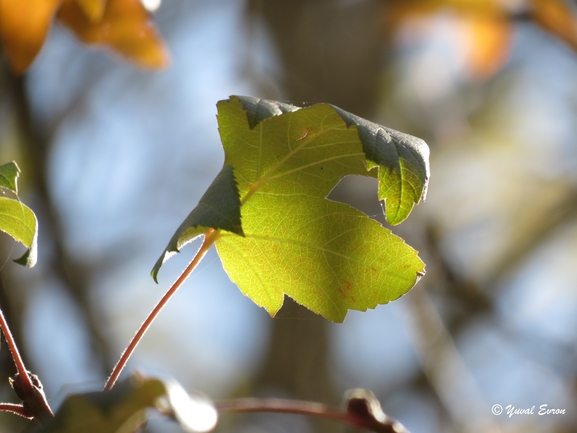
<point x="114" y="157"/>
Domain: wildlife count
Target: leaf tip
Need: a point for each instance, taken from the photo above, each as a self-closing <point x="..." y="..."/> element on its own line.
<point x="154" y="272"/>
<point x="166" y="254"/>
<point x="28" y="259"/>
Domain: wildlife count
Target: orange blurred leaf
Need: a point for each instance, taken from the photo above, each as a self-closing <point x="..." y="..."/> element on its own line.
<point x="23" y="28"/>
<point x="93" y="9"/>
<point x="556" y="17"/>
<point x="125" y="26"/>
<point x="489" y="41"/>
<point x="395" y="12"/>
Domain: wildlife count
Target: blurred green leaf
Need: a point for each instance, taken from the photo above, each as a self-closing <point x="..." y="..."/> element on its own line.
<point x="121" y="409"/>
<point x="284" y="161"/>
<point x="124" y="408"/>
<point x="9" y="176"/>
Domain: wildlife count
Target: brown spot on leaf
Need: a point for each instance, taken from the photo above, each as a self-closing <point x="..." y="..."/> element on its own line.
<point x="305" y="135"/>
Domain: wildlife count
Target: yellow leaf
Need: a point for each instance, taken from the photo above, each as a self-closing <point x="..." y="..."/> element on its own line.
<point x="23" y="28"/>
<point x="556" y="17"/>
<point x="93" y="9"/>
<point x="125" y="27"/>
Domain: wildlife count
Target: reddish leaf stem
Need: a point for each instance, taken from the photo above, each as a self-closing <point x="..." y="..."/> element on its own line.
<point x="209" y="239"/>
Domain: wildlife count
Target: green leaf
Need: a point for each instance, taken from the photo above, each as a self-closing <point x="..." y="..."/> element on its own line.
<point x="9" y="176"/>
<point x="18" y="220"/>
<point x="124" y="408"/>
<point x="325" y="255"/>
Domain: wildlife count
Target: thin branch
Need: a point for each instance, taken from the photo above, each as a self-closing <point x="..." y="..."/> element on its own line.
<point x="444" y="366"/>
<point x="279" y="405"/>
<point x="557" y="217"/>
<point x="209" y="239"/>
<point x="75" y="276"/>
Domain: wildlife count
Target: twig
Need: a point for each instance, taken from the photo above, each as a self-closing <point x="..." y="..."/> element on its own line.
<point x="280" y="405"/>
<point x="354" y="417"/>
<point x="445" y="368"/>
<point x="74" y="275"/>
<point x="25" y="384"/>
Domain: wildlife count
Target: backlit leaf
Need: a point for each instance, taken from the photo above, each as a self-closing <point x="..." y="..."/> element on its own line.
<point x="125" y="26"/>
<point x="23" y="28"/>
<point x="284" y="161"/>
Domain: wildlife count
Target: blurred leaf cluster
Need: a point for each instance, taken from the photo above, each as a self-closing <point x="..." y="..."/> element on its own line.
<point x="486" y="27"/>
